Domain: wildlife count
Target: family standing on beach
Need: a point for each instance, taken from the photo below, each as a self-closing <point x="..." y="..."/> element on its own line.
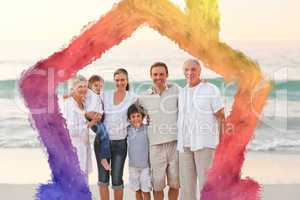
<point x="169" y="132"/>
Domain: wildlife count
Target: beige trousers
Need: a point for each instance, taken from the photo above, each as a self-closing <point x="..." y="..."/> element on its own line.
<point x="193" y="166"/>
<point x="164" y="164"/>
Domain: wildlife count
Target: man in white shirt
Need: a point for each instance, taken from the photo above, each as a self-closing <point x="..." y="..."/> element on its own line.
<point x="200" y="118"/>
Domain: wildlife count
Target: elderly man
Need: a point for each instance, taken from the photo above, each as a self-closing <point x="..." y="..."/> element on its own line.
<point x="161" y="103"/>
<point x="200" y="118"/>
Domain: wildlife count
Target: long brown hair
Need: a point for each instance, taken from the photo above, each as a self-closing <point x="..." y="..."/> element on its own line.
<point x="123" y="71"/>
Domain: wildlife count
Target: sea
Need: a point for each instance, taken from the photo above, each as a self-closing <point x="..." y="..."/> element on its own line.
<point x="278" y="129"/>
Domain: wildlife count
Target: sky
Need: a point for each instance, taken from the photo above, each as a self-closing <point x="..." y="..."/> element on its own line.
<point x="33" y="29"/>
<point x="60" y="20"/>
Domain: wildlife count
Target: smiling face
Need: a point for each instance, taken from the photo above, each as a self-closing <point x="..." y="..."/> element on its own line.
<point x="136" y="119"/>
<point x="80" y="89"/>
<point x="159" y="76"/>
<point x="121" y="81"/>
<point x="97" y="86"/>
<point x="192" y="72"/>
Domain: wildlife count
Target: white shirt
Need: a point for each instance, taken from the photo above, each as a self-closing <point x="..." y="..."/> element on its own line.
<point x="197" y="124"/>
<point x="93" y="102"/>
<point x="115" y="118"/>
<point x="79" y="133"/>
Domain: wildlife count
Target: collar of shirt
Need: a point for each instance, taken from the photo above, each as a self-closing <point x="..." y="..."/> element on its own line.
<point x="153" y="91"/>
<point x="200" y="83"/>
<point x="137" y="129"/>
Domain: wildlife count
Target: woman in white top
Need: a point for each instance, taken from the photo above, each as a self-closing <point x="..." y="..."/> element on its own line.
<point x="116" y="104"/>
<point x="77" y="124"/>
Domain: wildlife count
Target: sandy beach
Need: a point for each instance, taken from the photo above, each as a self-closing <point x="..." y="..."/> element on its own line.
<point x="270" y="192"/>
<point x="21" y="171"/>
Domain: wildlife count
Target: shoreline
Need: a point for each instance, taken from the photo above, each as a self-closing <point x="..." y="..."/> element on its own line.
<point x="28" y="191"/>
<point x="22" y="170"/>
<point x="265" y="167"/>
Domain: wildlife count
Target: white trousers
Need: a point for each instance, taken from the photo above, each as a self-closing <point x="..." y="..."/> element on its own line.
<point x="192" y="166"/>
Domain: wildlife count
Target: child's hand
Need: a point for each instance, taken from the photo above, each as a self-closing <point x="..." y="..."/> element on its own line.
<point x="105" y="164"/>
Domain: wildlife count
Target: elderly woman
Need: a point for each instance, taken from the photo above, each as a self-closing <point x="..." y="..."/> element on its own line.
<point x="77" y="124"/>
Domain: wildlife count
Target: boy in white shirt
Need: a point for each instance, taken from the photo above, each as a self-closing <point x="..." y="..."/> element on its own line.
<point x="94" y="109"/>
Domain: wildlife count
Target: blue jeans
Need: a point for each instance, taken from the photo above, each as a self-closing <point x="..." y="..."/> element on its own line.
<point x="102" y="134"/>
<point x="118" y="150"/>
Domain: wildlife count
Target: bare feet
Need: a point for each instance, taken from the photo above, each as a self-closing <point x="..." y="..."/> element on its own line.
<point x="105" y="164"/>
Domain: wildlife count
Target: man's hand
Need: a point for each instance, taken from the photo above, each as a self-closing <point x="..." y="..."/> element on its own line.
<point x="220" y="115"/>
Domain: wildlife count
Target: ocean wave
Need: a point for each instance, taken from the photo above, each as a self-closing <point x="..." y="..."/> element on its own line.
<point x="9" y="90"/>
<point x="20" y="144"/>
<point x="266" y="139"/>
<point x="276" y="145"/>
<point x="271" y="135"/>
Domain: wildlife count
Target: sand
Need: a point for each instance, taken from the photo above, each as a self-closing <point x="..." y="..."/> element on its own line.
<point x="21" y="170"/>
<point x="270" y="192"/>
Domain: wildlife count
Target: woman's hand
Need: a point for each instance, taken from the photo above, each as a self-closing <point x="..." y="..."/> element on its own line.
<point x="93" y="116"/>
<point x="91" y="123"/>
<point x="98" y="117"/>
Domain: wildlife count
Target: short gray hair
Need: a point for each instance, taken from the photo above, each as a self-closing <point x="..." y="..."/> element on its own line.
<point x="75" y="81"/>
<point x="192" y="62"/>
